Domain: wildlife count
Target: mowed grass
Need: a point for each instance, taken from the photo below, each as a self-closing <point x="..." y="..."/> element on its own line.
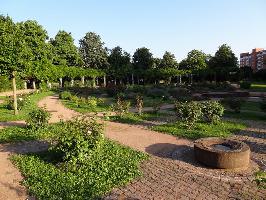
<point x="260" y="87"/>
<point x="85" y="108"/>
<point x="112" y="166"/>
<point x="201" y="130"/>
<point x="8" y="115"/>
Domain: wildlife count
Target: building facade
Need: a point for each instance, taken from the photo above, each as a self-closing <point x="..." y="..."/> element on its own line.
<point x="256" y="59"/>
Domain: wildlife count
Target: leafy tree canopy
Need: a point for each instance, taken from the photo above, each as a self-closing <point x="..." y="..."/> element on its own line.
<point x="142" y="59"/>
<point x="224" y="59"/>
<point x="64" y="50"/>
<point x="196" y="60"/>
<point x="92" y="51"/>
<point x="168" y="61"/>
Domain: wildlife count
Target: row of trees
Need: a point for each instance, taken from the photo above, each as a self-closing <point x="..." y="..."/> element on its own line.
<point x="26" y="51"/>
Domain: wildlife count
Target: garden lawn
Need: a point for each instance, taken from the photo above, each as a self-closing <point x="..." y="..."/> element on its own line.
<point x="201" y="130"/>
<point x="258" y="87"/>
<point x="85" y="108"/>
<point x="113" y="166"/>
<point x="132" y="118"/>
<point x="8" y="115"/>
<point x="246" y="115"/>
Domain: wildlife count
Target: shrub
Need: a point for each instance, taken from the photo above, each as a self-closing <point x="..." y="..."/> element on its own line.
<point x="245" y="84"/>
<point x="75" y="99"/>
<point x="78" y="140"/>
<point x="157" y="93"/>
<point x="233" y="103"/>
<point x="212" y="111"/>
<point x="113" y="90"/>
<point x="156" y="105"/>
<point x="92" y="101"/>
<point x="179" y="92"/>
<point x="189" y="112"/>
<point x="65" y="95"/>
<point x="263" y="105"/>
<point x="21" y="101"/>
<point x="38" y="118"/>
<point x="139" y="104"/>
<point x="121" y="107"/>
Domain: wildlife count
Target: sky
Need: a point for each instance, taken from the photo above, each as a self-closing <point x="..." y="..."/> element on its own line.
<point x="177" y="26"/>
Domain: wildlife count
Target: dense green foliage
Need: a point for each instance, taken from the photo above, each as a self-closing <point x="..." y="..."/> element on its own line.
<point x="78" y="140"/>
<point x="189" y="112"/>
<point x="38" y="118"/>
<point x="212" y="111"/>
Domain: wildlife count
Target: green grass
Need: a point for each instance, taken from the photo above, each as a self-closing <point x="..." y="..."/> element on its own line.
<point x="252" y="106"/>
<point x="246" y="115"/>
<point x="132" y="118"/>
<point x="201" y="130"/>
<point x="113" y="166"/>
<point x="85" y="108"/>
<point x="261" y="179"/>
<point x="8" y="115"/>
<point x="260" y="87"/>
<point x="16" y="134"/>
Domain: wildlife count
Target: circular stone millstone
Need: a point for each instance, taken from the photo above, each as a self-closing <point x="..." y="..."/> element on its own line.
<point x="208" y="151"/>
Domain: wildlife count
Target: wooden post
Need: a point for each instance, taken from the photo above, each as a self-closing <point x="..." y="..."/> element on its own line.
<point x="15" y="93"/>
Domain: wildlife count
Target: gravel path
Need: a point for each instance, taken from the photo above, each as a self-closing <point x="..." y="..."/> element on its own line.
<point x="10" y="93"/>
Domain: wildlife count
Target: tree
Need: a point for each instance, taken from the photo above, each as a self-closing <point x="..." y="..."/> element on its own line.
<point x="119" y="61"/>
<point x="37" y="49"/>
<point x="196" y="60"/>
<point x="223" y="62"/>
<point x="12" y="52"/>
<point x="168" y="61"/>
<point x="64" y="50"/>
<point x="92" y="51"/>
<point x="142" y="61"/>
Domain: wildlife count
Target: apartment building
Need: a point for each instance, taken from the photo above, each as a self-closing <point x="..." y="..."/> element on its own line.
<point x="256" y="59"/>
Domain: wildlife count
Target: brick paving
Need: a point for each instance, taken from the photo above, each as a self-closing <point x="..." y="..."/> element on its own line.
<point x="176" y="175"/>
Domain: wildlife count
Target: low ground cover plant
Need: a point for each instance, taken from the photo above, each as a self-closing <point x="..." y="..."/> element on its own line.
<point x="81" y="164"/>
<point x="66" y="95"/>
<point x="261" y="179"/>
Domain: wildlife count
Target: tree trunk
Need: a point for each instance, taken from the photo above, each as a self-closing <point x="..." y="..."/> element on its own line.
<point x="15" y="93"/>
<point x="104" y="81"/>
<point x="93" y="82"/>
<point x="82" y="81"/>
<point x="138" y="80"/>
<point x="169" y="80"/>
<point x="34" y="85"/>
<point x="115" y="81"/>
<point x="120" y="81"/>
<point x="132" y="79"/>
<point x="180" y="79"/>
<point x="49" y="85"/>
<point x="191" y="79"/>
<point x="97" y="81"/>
<point x="25" y="85"/>
<point x="72" y="82"/>
<point x="60" y="82"/>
